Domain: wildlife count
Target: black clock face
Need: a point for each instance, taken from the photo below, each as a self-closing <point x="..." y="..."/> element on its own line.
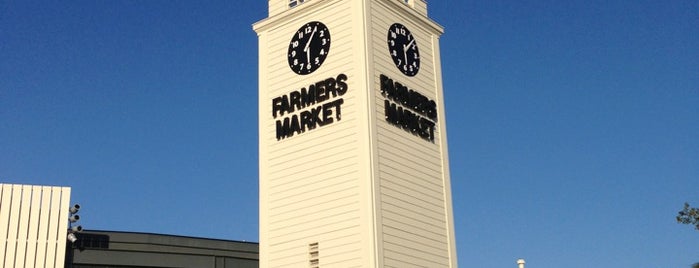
<point x="403" y="49"/>
<point x="309" y="47"/>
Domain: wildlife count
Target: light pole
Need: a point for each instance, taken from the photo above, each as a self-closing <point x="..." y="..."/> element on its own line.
<point x="520" y="263"/>
<point x="72" y="230"/>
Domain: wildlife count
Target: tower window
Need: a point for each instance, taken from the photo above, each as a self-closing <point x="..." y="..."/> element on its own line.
<point x="293" y="3"/>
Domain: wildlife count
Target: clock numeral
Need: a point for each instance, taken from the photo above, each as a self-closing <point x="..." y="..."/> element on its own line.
<point x="393" y="35"/>
<point x="309" y="29"/>
<point x="293" y="53"/>
<point x="400" y="62"/>
<point x="322" y="51"/>
<point x="322" y="34"/>
<point x="300" y="35"/>
<point x="394" y="53"/>
<point x="400" y="31"/>
<point x="317" y="61"/>
<point x="295" y="44"/>
<point x="296" y="61"/>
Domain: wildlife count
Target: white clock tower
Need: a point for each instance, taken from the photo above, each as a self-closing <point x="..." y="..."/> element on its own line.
<point x="354" y="168"/>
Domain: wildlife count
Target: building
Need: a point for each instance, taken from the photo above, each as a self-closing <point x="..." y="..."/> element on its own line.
<point x="354" y="168"/>
<point x="35" y="233"/>
<point x="34" y="221"/>
<point x="104" y="249"/>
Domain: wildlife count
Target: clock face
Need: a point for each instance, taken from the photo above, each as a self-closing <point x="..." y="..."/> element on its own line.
<point x="403" y="49"/>
<point x="309" y="47"/>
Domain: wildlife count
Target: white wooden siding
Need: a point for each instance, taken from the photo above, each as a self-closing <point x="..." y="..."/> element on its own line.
<point x="312" y="180"/>
<point x="414" y="220"/>
<point x="36" y="223"/>
<point x="371" y="194"/>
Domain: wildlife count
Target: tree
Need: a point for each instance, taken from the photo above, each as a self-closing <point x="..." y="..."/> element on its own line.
<point x="689" y="215"/>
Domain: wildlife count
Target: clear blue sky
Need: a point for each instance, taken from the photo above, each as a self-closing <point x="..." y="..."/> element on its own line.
<point x="573" y="125"/>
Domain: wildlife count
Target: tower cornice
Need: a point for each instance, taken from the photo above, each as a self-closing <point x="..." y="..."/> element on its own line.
<point x="304" y="9"/>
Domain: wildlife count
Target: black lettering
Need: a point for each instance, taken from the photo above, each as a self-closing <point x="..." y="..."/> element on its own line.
<point x="432" y="110"/>
<point x="338" y="109"/>
<point x="409" y="120"/>
<point x="330" y="87"/>
<point x="341" y="85"/>
<point x="387" y="87"/>
<point x="295" y="102"/>
<point x="425" y="106"/>
<point x="283" y="129"/>
<point x="307" y="120"/>
<point x="415" y="101"/>
<point x="305" y="98"/>
<point x="405" y="108"/>
<point x="308" y="97"/>
<point x="320" y="92"/>
<point x="316" y="116"/>
<point x="401" y="94"/>
<point x="276" y="106"/>
<point x="295" y="126"/>
<point x="327" y="114"/>
<point x="429" y="128"/>
<point x="424" y="128"/>
<point x="284" y="105"/>
<point x="390" y="112"/>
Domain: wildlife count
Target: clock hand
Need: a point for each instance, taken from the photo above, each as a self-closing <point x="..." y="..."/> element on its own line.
<point x="405" y="49"/>
<point x="405" y="56"/>
<point x="308" y="44"/>
<point x="308" y="55"/>
<point x="409" y="44"/>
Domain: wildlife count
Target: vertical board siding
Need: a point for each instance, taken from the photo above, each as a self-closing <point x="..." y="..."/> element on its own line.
<point x="35" y="224"/>
<point x="62" y="225"/>
<point x="5" y="205"/>
<point x="32" y="237"/>
<point x="23" y="231"/>
<point x="13" y="223"/>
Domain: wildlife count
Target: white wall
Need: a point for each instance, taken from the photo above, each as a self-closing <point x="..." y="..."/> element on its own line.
<point x="33" y="225"/>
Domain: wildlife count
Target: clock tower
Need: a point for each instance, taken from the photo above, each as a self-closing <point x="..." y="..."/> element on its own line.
<point x="353" y="167"/>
